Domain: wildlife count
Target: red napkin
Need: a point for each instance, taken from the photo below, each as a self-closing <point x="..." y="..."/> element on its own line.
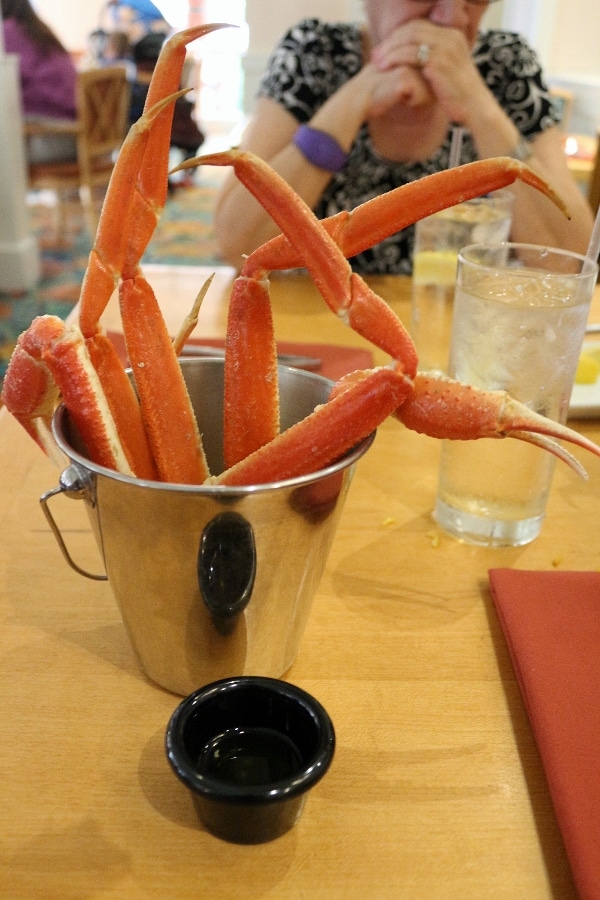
<point x="337" y="361"/>
<point x="551" y="621"/>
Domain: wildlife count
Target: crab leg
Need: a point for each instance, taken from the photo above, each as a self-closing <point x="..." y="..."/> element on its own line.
<point x="330" y="431"/>
<point x="134" y="197"/>
<point x="59" y="358"/>
<point x="166" y="410"/>
<point x="114" y="425"/>
<point x="30" y="393"/>
<point x="436" y="407"/>
<point x="251" y="397"/>
<point x="443" y="408"/>
<point x="152" y="178"/>
<point x="105" y="266"/>
<point x="361" y="402"/>
<point x="107" y="260"/>
<point x="191" y="320"/>
<point x="344" y="291"/>
<point x="307" y="243"/>
<point x="384" y="215"/>
<point x="139" y="186"/>
<point x="166" y="407"/>
<point x="76" y="361"/>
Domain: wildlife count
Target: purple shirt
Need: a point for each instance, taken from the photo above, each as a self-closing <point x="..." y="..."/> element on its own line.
<point x="47" y="82"/>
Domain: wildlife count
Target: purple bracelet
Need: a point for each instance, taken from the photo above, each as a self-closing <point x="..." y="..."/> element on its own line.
<point x="319" y="148"/>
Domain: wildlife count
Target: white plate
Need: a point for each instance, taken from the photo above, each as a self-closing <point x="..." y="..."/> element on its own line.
<point x="585" y="398"/>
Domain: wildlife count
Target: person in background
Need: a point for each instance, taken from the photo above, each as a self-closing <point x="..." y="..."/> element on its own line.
<point x="348" y="111"/>
<point x="135" y="18"/>
<point x="118" y="52"/>
<point x="110" y="49"/>
<point x="47" y="76"/>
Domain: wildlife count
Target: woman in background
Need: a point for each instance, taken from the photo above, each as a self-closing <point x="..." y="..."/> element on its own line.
<point x="348" y="111"/>
<point x="47" y="76"/>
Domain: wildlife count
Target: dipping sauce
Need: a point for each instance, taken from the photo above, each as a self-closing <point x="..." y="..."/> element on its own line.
<point x="250" y="756"/>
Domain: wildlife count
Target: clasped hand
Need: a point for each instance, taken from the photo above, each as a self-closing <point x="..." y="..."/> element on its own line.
<point x="449" y="76"/>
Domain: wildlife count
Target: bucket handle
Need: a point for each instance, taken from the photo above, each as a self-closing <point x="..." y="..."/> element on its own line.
<point x="75" y="484"/>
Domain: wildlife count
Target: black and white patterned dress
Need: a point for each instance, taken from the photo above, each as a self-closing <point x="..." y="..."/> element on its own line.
<point x="313" y="60"/>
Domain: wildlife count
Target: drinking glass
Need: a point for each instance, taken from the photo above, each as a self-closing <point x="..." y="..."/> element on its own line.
<point x="519" y="319"/>
<point x="438" y="238"/>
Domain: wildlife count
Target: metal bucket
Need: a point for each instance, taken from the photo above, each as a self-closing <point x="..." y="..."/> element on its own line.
<point x="211" y="581"/>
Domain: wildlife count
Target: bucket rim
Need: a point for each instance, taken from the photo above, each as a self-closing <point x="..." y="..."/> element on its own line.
<point x="61" y="416"/>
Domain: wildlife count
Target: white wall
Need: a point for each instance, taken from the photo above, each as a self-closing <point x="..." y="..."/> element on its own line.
<point x="564" y="34"/>
<point x="72" y="20"/>
<point x="574" y="46"/>
<point x="267" y="21"/>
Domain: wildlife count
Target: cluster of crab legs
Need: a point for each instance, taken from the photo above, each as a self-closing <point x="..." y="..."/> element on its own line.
<point x="148" y="429"/>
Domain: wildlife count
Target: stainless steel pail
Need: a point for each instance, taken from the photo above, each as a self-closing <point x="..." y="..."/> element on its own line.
<point x="211" y="581"/>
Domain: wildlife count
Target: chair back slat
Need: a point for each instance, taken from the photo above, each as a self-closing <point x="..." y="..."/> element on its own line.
<point x="102" y="98"/>
<point x="103" y="104"/>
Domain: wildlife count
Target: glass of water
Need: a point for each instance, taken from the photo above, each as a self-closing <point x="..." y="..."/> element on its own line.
<point x="438" y="238"/>
<point x="520" y="313"/>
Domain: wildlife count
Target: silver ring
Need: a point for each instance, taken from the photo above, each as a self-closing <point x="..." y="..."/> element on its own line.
<point x="423" y="52"/>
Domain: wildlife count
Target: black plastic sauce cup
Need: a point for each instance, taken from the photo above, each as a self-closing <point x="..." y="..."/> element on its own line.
<point x="249" y="749"/>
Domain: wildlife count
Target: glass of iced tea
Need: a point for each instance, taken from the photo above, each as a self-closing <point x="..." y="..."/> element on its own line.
<point x="519" y="320"/>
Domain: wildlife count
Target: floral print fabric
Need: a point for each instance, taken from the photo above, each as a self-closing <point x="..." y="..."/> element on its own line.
<point x="313" y="60"/>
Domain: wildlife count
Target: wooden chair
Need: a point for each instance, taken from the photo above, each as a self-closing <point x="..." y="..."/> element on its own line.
<point x="594" y="183"/>
<point x="102" y="100"/>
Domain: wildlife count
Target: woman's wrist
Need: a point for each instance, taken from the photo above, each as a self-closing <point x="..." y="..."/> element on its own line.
<point x="522" y="150"/>
<point x="495" y="134"/>
<point x="320" y="148"/>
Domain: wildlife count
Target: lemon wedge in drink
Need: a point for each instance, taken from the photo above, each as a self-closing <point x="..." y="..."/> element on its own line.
<point x="588" y="369"/>
<point x="435" y="267"/>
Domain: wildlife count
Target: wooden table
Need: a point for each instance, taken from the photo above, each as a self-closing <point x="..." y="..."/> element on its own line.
<point x="436" y="789"/>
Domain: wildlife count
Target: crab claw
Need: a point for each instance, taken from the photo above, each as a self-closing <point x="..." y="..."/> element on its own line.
<point x="48" y="354"/>
<point x="152" y="181"/>
<point x="344" y="291"/>
<point x="381" y="216"/>
<point x="443" y="408"/>
<point x="30" y="394"/>
<point x="361" y="403"/>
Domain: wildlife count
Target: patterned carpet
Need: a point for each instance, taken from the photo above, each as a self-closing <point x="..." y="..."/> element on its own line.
<point x="184" y="236"/>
